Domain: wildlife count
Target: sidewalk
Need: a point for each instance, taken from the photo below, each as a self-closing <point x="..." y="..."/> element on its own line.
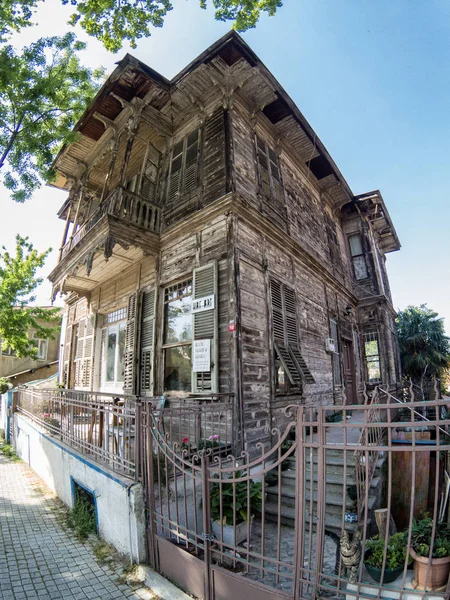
<point x="39" y="559"/>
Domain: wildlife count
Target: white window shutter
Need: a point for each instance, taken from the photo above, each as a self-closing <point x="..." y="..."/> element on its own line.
<point x="88" y="354"/>
<point x="205" y="326"/>
<point x="129" y="359"/>
<point x="147" y="342"/>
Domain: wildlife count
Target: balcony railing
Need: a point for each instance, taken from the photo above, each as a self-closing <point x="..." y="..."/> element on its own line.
<point x="125" y="205"/>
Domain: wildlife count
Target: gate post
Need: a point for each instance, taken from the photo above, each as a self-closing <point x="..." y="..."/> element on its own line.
<point x="209" y="594"/>
<point x="299" y="530"/>
<point x="148" y="460"/>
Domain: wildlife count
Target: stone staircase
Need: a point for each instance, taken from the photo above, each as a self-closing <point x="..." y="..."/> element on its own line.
<point x="335" y="491"/>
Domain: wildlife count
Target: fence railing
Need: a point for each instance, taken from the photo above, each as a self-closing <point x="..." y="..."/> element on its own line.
<point x="108" y="427"/>
<point x="123" y="204"/>
<point x="285" y="523"/>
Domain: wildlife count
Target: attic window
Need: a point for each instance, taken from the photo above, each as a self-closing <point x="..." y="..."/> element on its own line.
<point x="183" y="175"/>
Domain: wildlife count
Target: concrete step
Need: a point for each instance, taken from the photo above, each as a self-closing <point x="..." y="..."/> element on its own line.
<point x="287" y="517"/>
<point x="288" y="495"/>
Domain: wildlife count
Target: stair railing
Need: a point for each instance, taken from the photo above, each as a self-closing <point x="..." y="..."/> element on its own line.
<point x="366" y="459"/>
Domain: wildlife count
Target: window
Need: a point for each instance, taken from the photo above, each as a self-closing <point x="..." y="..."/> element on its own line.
<point x="372" y="356"/>
<point x="269" y="172"/>
<point x="290" y="367"/>
<point x="358" y="258"/>
<point x="41" y="345"/>
<point x="6" y="351"/>
<point x="112" y="349"/>
<point x="177" y="341"/>
<point x="337" y="380"/>
<point x="183" y="175"/>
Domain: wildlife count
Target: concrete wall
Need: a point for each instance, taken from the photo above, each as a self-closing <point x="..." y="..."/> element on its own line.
<point x="119" y="501"/>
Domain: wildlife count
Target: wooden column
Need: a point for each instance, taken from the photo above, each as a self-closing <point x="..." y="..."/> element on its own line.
<point x="112" y="164"/>
<point x="66" y="230"/>
<point x="133" y="127"/>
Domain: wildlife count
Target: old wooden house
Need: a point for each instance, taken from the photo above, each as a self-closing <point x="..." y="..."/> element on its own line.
<point x="212" y="246"/>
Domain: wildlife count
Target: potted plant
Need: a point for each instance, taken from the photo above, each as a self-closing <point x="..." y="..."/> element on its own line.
<point x="240" y="500"/>
<point x="212" y="442"/>
<point x="439" y="564"/>
<point x="395" y="552"/>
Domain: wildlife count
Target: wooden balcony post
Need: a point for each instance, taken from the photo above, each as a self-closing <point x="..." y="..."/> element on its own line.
<point x="112" y="164"/>
<point x="66" y="231"/>
<point x="133" y="125"/>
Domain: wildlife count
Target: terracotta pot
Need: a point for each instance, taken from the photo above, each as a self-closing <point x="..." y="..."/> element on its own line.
<point x="438" y="573"/>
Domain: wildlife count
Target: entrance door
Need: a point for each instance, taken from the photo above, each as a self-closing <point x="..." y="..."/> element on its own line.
<point x="349" y="372"/>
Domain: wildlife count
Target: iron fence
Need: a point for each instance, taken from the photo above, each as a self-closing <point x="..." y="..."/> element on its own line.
<point x="107" y="427"/>
<point x="285" y="523"/>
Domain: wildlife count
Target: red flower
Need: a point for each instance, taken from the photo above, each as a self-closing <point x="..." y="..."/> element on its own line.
<point x="185" y="440"/>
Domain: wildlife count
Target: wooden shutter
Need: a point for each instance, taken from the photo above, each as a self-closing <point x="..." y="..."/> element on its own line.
<point x="88" y="353"/>
<point x="191" y="162"/>
<point x="147" y="342"/>
<point x="129" y="359"/>
<point x="176" y="164"/>
<point x="79" y="351"/>
<point x="214" y="173"/>
<point x="204" y="325"/>
<point x="66" y="357"/>
<point x="285" y="333"/>
<point x="263" y="168"/>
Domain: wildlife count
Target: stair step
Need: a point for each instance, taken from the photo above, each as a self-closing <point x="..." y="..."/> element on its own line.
<point x="287" y="517"/>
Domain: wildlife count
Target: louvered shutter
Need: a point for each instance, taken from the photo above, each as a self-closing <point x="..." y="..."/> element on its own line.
<point x="263" y="168"/>
<point x="67" y="350"/>
<point x="176" y="165"/>
<point x="285" y="333"/>
<point x="191" y="162"/>
<point x="79" y="351"/>
<point x="204" y="326"/>
<point x="129" y="359"/>
<point x="147" y="342"/>
<point x="88" y="353"/>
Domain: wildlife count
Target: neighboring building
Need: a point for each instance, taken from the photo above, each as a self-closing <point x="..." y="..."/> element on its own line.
<point x="22" y="370"/>
<point x="212" y="246"/>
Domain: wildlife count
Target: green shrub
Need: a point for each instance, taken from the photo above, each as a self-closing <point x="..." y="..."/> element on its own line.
<point x="242" y="491"/>
<point x="82" y="517"/>
<point x="395" y="555"/>
<point x="4" y="385"/>
<point x="421" y="532"/>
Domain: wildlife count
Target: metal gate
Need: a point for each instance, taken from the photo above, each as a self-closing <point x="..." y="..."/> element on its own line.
<point x="269" y="525"/>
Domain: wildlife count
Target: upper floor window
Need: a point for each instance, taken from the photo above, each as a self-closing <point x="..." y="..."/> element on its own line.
<point x="184" y="162"/>
<point x="269" y="172"/>
<point x="358" y="257"/>
<point x="372" y="356"/>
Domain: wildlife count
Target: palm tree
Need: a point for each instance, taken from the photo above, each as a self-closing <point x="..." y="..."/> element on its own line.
<point x="424" y="347"/>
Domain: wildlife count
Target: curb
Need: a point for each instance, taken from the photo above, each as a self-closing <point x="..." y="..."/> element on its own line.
<point x="162" y="587"/>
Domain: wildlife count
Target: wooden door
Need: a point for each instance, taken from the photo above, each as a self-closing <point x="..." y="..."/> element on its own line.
<point x="349" y="371"/>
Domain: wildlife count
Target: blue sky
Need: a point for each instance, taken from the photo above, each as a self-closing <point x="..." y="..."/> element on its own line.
<point x="373" y="79"/>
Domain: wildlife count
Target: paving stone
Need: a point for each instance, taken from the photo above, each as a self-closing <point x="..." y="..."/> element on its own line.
<point x="39" y="559"/>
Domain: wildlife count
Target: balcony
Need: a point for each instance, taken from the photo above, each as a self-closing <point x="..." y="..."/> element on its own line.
<point x="120" y="232"/>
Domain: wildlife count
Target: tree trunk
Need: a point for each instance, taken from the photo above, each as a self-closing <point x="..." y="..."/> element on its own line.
<point x="10" y="144"/>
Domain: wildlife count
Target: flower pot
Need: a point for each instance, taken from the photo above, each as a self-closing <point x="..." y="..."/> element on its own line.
<point x="438" y="572"/>
<point x="232" y="536"/>
<point x="389" y="574"/>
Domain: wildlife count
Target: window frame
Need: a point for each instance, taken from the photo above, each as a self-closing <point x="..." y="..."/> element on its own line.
<point x="336" y="355"/>
<point x="353" y="257"/>
<point x="113" y="321"/>
<point x="372" y="358"/>
<point x="40" y="343"/>
<point x="179" y="285"/>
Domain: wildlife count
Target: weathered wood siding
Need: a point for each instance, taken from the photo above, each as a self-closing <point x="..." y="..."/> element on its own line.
<point x="256" y="405"/>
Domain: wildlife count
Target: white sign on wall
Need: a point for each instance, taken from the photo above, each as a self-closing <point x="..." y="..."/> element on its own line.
<point x="201" y="356"/>
<point x="201" y="304"/>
